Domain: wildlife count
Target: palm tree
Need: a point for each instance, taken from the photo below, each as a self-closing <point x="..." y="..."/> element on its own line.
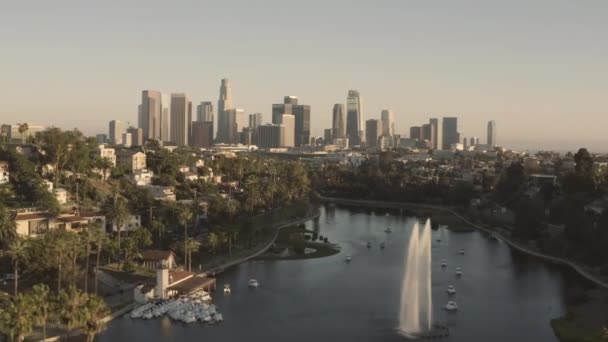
<point x="42" y="299"/>
<point x="87" y="239"/>
<point x="99" y="238"/>
<point x="104" y="164"/>
<point x="60" y="245"/>
<point x="214" y="240"/>
<point x="18" y="253"/>
<point x="184" y="217"/>
<point x="23" y="128"/>
<point x="118" y="212"/>
<point x="191" y="245"/>
<point x="158" y="228"/>
<point x="8" y="227"/>
<point x="71" y="302"/>
<point x="16" y="318"/>
<point x="95" y="309"/>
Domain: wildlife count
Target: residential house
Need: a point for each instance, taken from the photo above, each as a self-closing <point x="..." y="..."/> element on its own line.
<point x="109" y="153"/>
<point x="162" y="193"/>
<point x="133" y="222"/>
<point x="152" y="259"/>
<point x="61" y="195"/>
<point x="142" y="177"/>
<point x="4" y="174"/>
<point x="33" y="223"/>
<point x="133" y="160"/>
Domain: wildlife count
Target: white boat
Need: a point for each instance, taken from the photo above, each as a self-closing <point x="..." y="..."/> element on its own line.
<point x="451" y="306"/>
<point x="444" y="263"/>
<point x="253" y="283"/>
<point x="451" y="289"/>
<point x="461" y="252"/>
<point x="227" y="288"/>
<point x="458" y="271"/>
<point x="218" y="317"/>
<point x="348" y="258"/>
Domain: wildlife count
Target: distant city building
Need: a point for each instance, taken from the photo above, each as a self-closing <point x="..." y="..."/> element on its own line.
<point x="116" y="129"/>
<point x="302" y="118"/>
<point x="426" y="133"/>
<point x="204" y="112"/>
<point x="416" y="132"/>
<point x="246" y="136"/>
<point x="287" y="138"/>
<point x="450" y="132"/>
<point x="339" y="121"/>
<point x="373" y="129"/>
<point x="437" y="132"/>
<point x="13" y="131"/>
<point x="388" y="122"/>
<point x="102" y="138"/>
<point x="127" y="139"/>
<point x="491" y="141"/>
<point x="137" y="138"/>
<point x="235" y="121"/>
<point x="202" y="134"/>
<point x="269" y="136"/>
<point x="255" y="120"/>
<point x="465" y="144"/>
<point x="181" y="114"/>
<point x="150" y="114"/>
<point x="223" y="105"/>
<point x="165" y="118"/>
<point x="472" y="140"/>
<point x="328" y="135"/>
<point x="354" y="131"/>
<point x="341" y="143"/>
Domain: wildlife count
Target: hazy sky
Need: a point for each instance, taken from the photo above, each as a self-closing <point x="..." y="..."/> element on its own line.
<point x="537" y="67"/>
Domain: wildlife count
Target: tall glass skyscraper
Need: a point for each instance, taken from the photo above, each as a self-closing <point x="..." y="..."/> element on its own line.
<point x="338" y="122"/>
<point x="354" y="131"/>
<point x="450" y="132"/>
<point x="223" y="104"/>
<point x="491" y="133"/>
<point x="150" y="114"/>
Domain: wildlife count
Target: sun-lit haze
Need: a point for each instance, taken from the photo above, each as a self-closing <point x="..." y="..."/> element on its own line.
<point x="538" y="68"/>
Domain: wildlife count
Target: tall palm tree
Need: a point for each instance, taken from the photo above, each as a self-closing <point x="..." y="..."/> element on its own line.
<point x="95" y="309"/>
<point x="118" y="212"/>
<point x="60" y="245"/>
<point x="8" y="227"/>
<point x="87" y="240"/>
<point x="16" y="318"/>
<point x="71" y="302"/>
<point x="99" y="238"/>
<point x="184" y="217"/>
<point x="41" y="297"/>
<point x="159" y="228"/>
<point x="17" y="251"/>
<point x="191" y="245"/>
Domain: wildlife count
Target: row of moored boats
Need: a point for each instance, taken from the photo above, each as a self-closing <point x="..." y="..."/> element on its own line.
<point x="195" y="307"/>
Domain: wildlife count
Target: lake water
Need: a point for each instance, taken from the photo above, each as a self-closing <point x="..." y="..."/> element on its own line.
<point x="503" y="295"/>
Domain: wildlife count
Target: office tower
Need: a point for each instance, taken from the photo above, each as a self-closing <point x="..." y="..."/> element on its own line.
<point x="491" y="134"/>
<point x="137" y="138"/>
<point x="302" y="124"/>
<point x="150" y="114"/>
<point x="388" y="122"/>
<point x="373" y="129"/>
<point x="472" y="141"/>
<point x="338" y="122"/>
<point x="416" y="132"/>
<point x="255" y="120"/>
<point x="235" y="122"/>
<point x="180" y="126"/>
<point x="223" y="104"/>
<point x="204" y="112"/>
<point x="102" y="138"/>
<point x="165" y="117"/>
<point x="126" y="139"/>
<point x="426" y="133"/>
<point x="202" y="134"/>
<point x="328" y="136"/>
<point x="288" y="137"/>
<point x="269" y="136"/>
<point x="117" y="128"/>
<point x="278" y="109"/>
<point x="465" y="144"/>
<point x="354" y="131"/>
<point x="450" y="132"/>
<point x="292" y="100"/>
<point x="246" y="136"/>
<point x="437" y="133"/>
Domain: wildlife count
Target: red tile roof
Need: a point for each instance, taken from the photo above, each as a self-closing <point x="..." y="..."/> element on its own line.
<point x="32" y="216"/>
<point x="156" y="255"/>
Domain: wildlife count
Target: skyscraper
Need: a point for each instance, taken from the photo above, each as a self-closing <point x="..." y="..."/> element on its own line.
<point x="416" y="132"/>
<point x="288" y="133"/>
<point x="388" y="122"/>
<point x="372" y="132"/>
<point x="150" y="114"/>
<point x="278" y="109"/>
<point x="165" y="117"/>
<point x="202" y="134"/>
<point x="269" y="136"/>
<point x="235" y="122"/>
<point x="180" y="127"/>
<point x="137" y="138"/>
<point x="437" y="134"/>
<point x="116" y="129"/>
<point x="491" y="134"/>
<point x="223" y="104"/>
<point x="302" y="116"/>
<point x="338" y="122"/>
<point x="255" y="120"/>
<point x="427" y="133"/>
<point x="204" y="112"/>
<point x="354" y="131"/>
<point x="450" y="132"/>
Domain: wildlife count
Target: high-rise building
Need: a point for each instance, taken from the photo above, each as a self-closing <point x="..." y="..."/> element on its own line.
<point x="338" y="122"/>
<point x="388" y="122"/>
<point x="246" y="136"/>
<point x="127" y="139"/>
<point x="426" y="133"/>
<point x="180" y="124"/>
<point x="137" y="138"/>
<point x="465" y="144"/>
<point x="116" y="129"/>
<point x="102" y="138"/>
<point x="450" y="132"/>
<point x="491" y="133"/>
<point x="269" y="136"/>
<point x="354" y="131"/>
<point x="235" y="121"/>
<point x="150" y="114"/>
<point x="202" y="134"/>
<point x="302" y="116"/>
<point x="416" y="132"/>
<point x="328" y="136"/>
<point x="372" y="132"/>
<point x="223" y="104"/>
<point x="204" y="112"/>
<point x="437" y="133"/>
<point x="165" y="117"/>
<point x="293" y="100"/>
<point x="288" y="137"/>
<point x="255" y="120"/>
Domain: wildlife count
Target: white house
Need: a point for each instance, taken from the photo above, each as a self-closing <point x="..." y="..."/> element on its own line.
<point x="4" y="172"/>
<point x="133" y="222"/>
<point x="142" y="177"/>
<point x="61" y="195"/>
<point x="109" y="153"/>
<point x="132" y="160"/>
<point x="162" y="193"/>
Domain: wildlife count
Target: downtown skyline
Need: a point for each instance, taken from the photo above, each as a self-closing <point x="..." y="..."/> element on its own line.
<point x="536" y="73"/>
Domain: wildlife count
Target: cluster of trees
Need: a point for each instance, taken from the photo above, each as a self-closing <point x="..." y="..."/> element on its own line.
<point x="39" y="307"/>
